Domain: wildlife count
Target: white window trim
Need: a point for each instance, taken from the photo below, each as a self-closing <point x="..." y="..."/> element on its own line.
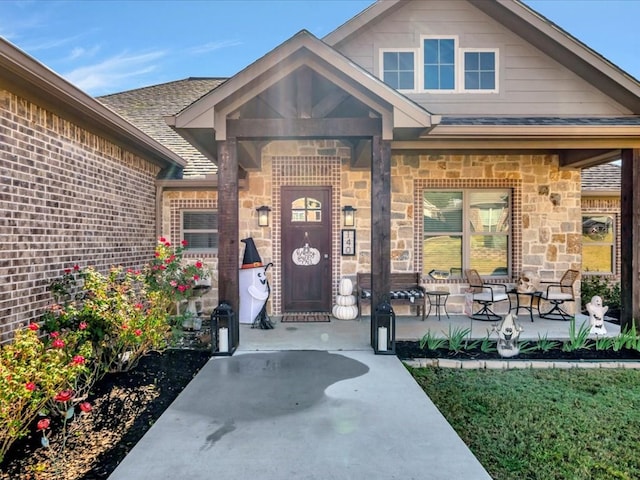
<point x="416" y="55"/>
<point x="209" y="230"/>
<point x="420" y="71"/>
<point x="461" y="68"/>
<point x="613" y="243"/>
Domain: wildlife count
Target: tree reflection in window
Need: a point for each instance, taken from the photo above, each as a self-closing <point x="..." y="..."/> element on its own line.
<point x="306" y="209"/>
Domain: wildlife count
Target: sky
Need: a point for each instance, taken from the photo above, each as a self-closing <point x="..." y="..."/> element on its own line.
<point x="108" y="46"/>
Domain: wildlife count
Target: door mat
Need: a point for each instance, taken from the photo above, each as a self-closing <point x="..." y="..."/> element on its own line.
<point x="305" y="317"/>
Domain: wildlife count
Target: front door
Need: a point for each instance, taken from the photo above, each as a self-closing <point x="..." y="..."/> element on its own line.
<point x="306" y="249"/>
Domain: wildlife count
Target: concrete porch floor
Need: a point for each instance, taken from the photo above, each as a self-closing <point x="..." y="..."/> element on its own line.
<point x="355" y="334"/>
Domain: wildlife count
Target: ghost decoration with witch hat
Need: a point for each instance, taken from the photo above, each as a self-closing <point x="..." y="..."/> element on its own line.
<point x="254" y="289"/>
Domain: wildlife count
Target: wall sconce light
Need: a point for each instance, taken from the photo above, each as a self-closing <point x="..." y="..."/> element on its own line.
<point x="349" y="215"/>
<point x="263" y="216"/>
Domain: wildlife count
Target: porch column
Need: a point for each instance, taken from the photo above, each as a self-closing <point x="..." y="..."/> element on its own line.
<point x="629" y="238"/>
<point x="380" y="222"/>
<point x="228" y="241"/>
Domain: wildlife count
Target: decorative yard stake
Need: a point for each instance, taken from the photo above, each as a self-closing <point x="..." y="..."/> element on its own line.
<point x="508" y="334"/>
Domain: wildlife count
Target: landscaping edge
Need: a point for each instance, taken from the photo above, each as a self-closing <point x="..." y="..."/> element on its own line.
<point x="515" y="364"/>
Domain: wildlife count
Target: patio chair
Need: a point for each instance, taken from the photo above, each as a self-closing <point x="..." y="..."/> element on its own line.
<point x="557" y="294"/>
<point x="486" y="294"/>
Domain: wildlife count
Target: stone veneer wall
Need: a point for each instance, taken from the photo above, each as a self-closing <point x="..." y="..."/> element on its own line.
<point x="67" y="197"/>
<point x="546" y="212"/>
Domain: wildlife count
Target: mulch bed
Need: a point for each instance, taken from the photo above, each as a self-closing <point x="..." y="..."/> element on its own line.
<point x="125" y="406"/>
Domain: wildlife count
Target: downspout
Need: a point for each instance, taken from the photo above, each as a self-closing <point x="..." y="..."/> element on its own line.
<point x="159" y="193"/>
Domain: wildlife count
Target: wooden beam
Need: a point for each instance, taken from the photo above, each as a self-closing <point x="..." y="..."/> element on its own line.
<point x="328" y="103"/>
<point x="380" y="223"/>
<point x="303" y="127"/>
<point x="228" y="250"/>
<point x="629" y="238"/>
<point x="304" y="92"/>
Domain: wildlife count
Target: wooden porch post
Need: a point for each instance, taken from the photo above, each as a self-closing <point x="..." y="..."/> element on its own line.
<point x="629" y="238"/>
<point x="380" y="222"/>
<point x="228" y="285"/>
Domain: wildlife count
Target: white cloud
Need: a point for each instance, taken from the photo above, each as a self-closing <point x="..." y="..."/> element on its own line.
<point x="212" y="46"/>
<point x="112" y="73"/>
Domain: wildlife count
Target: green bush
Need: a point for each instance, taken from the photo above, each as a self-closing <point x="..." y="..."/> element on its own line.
<point x="609" y="291"/>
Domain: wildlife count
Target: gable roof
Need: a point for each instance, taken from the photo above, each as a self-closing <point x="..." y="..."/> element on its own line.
<point x="535" y="29"/>
<point x="33" y="81"/>
<point x="146" y="108"/>
<point x="210" y="111"/>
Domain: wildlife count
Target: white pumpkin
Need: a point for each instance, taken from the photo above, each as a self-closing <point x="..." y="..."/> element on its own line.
<point x="343" y="312"/>
<point x="346" y="286"/>
<point x="346" y="300"/>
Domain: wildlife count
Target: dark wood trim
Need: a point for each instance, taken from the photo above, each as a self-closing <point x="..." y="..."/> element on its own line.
<point x="380" y="223"/>
<point x="304" y="93"/>
<point x="303" y="127"/>
<point x="228" y="250"/>
<point x="629" y="238"/>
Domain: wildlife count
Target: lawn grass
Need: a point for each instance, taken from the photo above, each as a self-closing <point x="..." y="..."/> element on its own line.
<point x="543" y="424"/>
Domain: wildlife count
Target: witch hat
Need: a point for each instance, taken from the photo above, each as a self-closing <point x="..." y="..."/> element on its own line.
<point x="251" y="257"/>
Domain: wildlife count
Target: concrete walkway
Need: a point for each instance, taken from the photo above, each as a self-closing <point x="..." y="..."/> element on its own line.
<point x="307" y="414"/>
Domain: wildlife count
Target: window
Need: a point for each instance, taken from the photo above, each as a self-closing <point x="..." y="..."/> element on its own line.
<point x="306" y="209"/>
<point x="439" y="64"/>
<point x="466" y="229"/>
<point x="598" y="243"/>
<point x="479" y="70"/>
<point x="398" y="69"/>
<point x="200" y="229"/>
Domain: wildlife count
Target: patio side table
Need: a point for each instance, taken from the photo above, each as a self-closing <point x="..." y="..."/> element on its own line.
<point x="526" y="306"/>
<point x="438" y="299"/>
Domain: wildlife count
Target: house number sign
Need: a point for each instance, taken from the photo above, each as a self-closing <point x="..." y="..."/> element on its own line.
<point x="348" y="242"/>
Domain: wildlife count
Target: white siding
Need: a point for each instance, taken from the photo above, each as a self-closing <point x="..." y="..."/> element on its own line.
<point x="530" y="82"/>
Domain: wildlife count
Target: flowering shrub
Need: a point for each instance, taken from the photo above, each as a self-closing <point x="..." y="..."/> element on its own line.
<point x="169" y="274"/>
<point x="115" y="314"/>
<point x="32" y="372"/>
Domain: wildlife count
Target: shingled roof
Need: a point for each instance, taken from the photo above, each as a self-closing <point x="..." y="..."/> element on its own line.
<point x="602" y="178"/>
<point x="146" y="107"/>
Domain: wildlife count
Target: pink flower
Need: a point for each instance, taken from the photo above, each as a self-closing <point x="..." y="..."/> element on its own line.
<point x="43" y="424"/>
<point x="82" y="326"/>
<point x="76" y="267"/>
<point x="30" y="386"/>
<point x="162" y="267"/>
<point x="138" y="332"/>
<point x="54" y="334"/>
<point x="198" y="264"/>
<point x="64" y="396"/>
<point x="85" y="407"/>
<point x="33" y="327"/>
<point x="182" y="288"/>
<point x="57" y="343"/>
<point x="196" y="277"/>
<point x="173" y="283"/>
<point x="78" y="360"/>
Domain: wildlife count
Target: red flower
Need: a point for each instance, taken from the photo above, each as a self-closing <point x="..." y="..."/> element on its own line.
<point x="64" y="396"/>
<point x="82" y="326"/>
<point x="54" y="334"/>
<point x="198" y="264"/>
<point x="85" y="407"/>
<point x="182" y="288"/>
<point x="78" y="360"/>
<point x="67" y="271"/>
<point x="76" y="267"/>
<point x="162" y="267"/>
<point x="184" y="243"/>
<point x="43" y="424"/>
<point x="196" y="277"/>
<point x="30" y="386"/>
<point x="162" y="240"/>
<point x="57" y="343"/>
<point x="167" y="244"/>
<point x="138" y="332"/>
<point x="124" y="326"/>
<point x="33" y="326"/>
<point x="157" y="254"/>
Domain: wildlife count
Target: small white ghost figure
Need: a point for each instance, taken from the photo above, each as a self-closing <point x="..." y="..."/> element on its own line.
<point x="596" y="315"/>
<point x="508" y="334"/>
<point x="254" y="291"/>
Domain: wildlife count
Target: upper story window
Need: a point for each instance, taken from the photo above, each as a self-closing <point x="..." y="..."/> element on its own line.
<point x="200" y="229"/>
<point x="398" y="69"/>
<point x="440" y="65"/>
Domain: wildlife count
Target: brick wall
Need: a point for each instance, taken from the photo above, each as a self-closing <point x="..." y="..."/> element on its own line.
<point x="67" y="197"/>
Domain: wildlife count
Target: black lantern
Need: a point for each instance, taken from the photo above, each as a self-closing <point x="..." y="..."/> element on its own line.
<point x="384" y="329"/>
<point x="224" y="339"/>
<point x="349" y="215"/>
<point x="263" y="216"/>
